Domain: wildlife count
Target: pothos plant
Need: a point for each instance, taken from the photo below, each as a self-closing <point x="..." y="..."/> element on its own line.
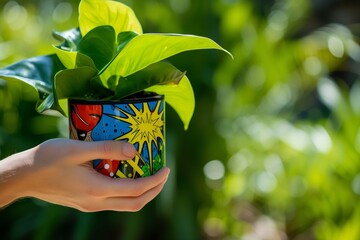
<point x="109" y="57"/>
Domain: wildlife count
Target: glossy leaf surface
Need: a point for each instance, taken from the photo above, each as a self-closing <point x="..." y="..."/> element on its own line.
<point x="37" y="72"/>
<point x="69" y="38"/>
<point x="146" y="49"/>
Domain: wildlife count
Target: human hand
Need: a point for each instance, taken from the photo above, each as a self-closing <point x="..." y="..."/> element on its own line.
<point x="59" y="171"/>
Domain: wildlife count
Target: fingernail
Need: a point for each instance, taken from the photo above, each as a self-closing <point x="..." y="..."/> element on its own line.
<point x="128" y="150"/>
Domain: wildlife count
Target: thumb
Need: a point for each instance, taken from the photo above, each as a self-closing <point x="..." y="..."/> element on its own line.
<point x="81" y="151"/>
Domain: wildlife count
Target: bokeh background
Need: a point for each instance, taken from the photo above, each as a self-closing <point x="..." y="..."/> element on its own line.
<point x="272" y="152"/>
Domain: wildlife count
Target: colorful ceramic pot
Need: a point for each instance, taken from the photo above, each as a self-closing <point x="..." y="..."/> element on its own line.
<point x="139" y="121"/>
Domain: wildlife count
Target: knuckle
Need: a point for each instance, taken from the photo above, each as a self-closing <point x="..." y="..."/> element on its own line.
<point x="106" y="148"/>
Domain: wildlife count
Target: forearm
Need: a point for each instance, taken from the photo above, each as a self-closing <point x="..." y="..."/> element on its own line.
<point x="11" y="178"/>
<point x="6" y="184"/>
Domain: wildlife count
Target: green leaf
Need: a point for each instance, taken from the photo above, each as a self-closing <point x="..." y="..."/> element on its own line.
<point x="49" y="105"/>
<point x="37" y="72"/>
<point x="99" y="45"/>
<point x="157" y="73"/>
<point x="45" y="104"/>
<point x="180" y="97"/>
<point x="80" y="83"/>
<point x="82" y="60"/>
<point x="70" y="38"/>
<point x="74" y="82"/>
<point x="124" y="38"/>
<point x="94" y="13"/>
<point x="73" y="59"/>
<point x="146" y="49"/>
<point x="68" y="58"/>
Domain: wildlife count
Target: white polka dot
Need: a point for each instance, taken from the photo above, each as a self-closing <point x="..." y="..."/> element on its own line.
<point x="107" y="166"/>
<point x="111" y="174"/>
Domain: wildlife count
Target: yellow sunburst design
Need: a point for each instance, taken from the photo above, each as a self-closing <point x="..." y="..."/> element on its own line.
<point x="146" y="127"/>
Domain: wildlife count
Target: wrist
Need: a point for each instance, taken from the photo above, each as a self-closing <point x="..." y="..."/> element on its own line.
<point x="7" y="192"/>
<point x="11" y="179"/>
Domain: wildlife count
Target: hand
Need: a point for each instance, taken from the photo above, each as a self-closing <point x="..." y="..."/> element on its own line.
<point x="59" y="171"/>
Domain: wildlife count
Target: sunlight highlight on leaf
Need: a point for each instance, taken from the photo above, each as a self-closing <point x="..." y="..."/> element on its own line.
<point x="146" y="49"/>
<point x="67" y="58"/>
<point x="112" y="13"/>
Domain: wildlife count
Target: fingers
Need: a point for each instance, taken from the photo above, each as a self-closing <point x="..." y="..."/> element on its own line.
<point x="104" y="186"/>
<point x="125" y="194"/>
<point x="133" y="204"/>
<point x="81" y="152"/>
<point x="130" y="204"/>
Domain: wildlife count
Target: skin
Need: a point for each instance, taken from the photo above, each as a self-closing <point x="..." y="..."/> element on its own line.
<point x="59" y="171"/>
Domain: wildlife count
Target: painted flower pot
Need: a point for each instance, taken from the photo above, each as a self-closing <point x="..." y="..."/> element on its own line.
<point x="139" y="121"/>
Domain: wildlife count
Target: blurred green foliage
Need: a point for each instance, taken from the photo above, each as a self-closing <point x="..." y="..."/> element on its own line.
<point x="273" y="149"/>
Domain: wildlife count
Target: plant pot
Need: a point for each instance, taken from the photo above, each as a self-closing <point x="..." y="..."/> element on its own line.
<point x="139" y="121"/>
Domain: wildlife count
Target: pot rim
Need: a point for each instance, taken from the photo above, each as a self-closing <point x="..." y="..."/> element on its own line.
<point x="121" y="101"/>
